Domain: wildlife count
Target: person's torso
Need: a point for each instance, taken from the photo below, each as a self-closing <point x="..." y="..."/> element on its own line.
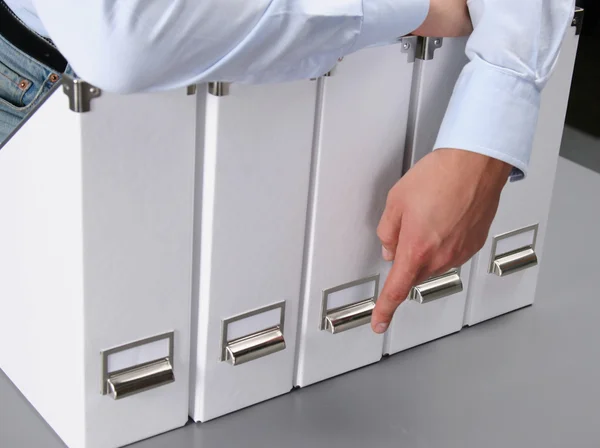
<point x="25" y="11"/>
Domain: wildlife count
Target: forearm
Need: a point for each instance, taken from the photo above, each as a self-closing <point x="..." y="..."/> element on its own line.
<point x="142" y="45"/>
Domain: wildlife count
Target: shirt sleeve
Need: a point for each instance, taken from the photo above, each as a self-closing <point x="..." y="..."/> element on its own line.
<point x="495" y="105"/>
<point x="150" y="45"/>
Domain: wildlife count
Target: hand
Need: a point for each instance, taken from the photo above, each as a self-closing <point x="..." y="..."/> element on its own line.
<point x="436" y="218"/>
<point x="446" y="18"/>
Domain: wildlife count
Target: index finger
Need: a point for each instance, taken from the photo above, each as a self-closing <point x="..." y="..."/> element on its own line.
<point x="402" y="277"/>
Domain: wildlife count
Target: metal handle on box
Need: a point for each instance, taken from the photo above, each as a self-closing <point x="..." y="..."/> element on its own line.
<point x="515" y="261"/>
<point x="348" y="317"/>
<point x="254" y="346"/>
<point x="437" y="288"/>
<point x="127" y="382"/>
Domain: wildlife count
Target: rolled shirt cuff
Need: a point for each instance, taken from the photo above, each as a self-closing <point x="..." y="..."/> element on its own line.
<point x="492" y="112"/>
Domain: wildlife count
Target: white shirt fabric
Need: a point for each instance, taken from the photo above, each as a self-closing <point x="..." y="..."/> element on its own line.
<point x="150" y="45"/>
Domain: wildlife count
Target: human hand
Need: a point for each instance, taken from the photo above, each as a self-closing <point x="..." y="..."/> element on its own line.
<point x="436" y="218"/>
<point x="446" y="18"/>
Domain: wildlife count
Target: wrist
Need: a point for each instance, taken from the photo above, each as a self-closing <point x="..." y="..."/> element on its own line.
<point x="477" y="166"/>
<point x="446" y="18"/>
<point x="498" y="167"/>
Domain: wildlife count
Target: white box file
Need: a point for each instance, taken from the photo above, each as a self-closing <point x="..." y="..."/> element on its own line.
<point x="505" y="271"/>
<point x="252" y="197"/>
<point x="435" y="308"/>
<point x="359" y="147"/>
<point x="95" y="266"/>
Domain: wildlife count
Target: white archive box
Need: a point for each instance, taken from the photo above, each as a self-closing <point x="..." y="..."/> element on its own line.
<point x="359" y="146"/>
<point x="252" y="196"/>
<point x="436" y="307"/>
<point x="505" y="272"/>
<point x="95" y="266"/>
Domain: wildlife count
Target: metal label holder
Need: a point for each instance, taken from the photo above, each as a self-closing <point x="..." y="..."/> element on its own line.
<point x="338" y="320"/>
<point x="254" y="346"/>
<point x="139" y="378"/>
<point x="515" y="260"/>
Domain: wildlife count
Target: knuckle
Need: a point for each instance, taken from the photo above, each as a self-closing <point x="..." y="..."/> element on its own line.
<point x="419" y="258"/>
<point x="382" y="229"/>
<point x="393" y="199"/>
<point x="385" y="236"/>
<point x="446" y="259"/>
<point x="420" y="253"/>
<point x="392" y="208"/>
<point x="390" y="197"/>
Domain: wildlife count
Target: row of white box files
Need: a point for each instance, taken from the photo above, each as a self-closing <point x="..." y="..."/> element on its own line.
<point x="435" y="308"/>
<point x="315" y="257"/>
<point x="282" y="203"/>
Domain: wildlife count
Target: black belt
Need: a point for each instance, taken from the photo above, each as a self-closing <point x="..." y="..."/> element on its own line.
<point x="30" y="43"/>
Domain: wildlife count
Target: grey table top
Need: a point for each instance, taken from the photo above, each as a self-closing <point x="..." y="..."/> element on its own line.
<point x="527" y="379"/>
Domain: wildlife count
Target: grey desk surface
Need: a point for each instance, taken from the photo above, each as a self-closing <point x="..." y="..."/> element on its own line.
<point x="527" y="379"/>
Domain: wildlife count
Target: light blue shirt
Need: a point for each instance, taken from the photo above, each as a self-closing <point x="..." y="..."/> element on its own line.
<point x="150" y="45"/>
<point x="26" y="12"/>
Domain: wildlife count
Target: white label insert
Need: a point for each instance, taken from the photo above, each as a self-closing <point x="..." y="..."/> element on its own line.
<point x="518" y="241"/>
<point x="351" y="295"/>
<point x="253" y="324"/>
<point x="138" y="355"/>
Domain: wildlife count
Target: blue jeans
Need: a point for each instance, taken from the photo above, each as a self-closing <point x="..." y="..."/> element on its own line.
<point x="24" y="82"/>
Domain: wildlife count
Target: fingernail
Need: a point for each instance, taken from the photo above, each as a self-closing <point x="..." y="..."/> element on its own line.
<point x="381" y="328"/>
<point x="387" y="255"/>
